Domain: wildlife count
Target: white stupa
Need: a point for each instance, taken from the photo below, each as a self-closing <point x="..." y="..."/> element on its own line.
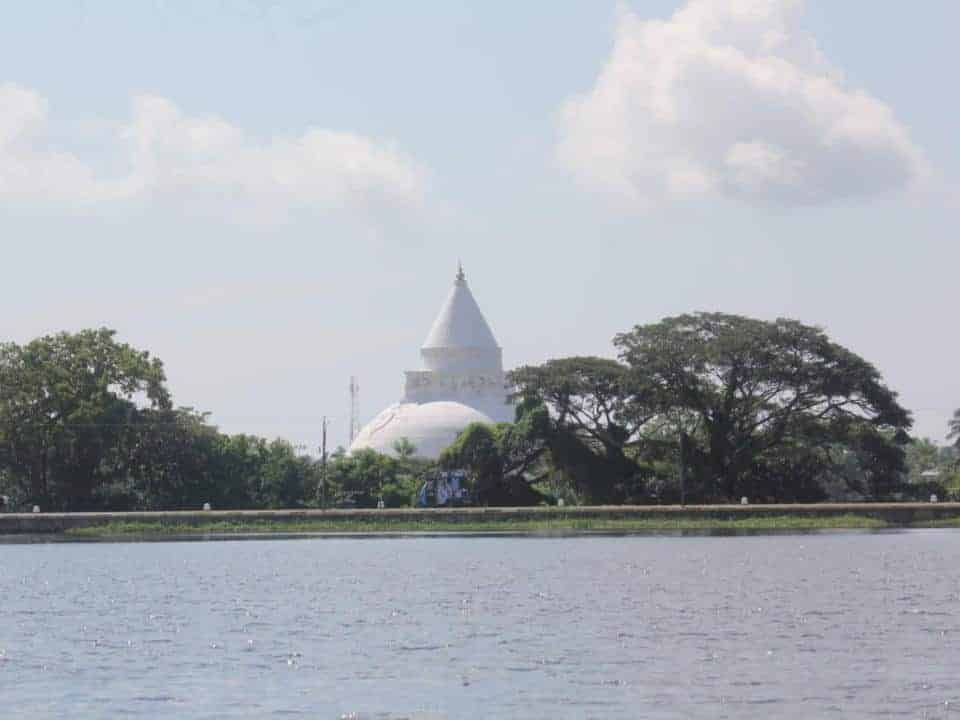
<point x="461" y="382"/>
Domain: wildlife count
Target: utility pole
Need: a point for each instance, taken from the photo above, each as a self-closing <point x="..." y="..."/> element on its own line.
<point x="323" y="463"/>
<point x="683" y="468"/>
<point x="354" y="408"/>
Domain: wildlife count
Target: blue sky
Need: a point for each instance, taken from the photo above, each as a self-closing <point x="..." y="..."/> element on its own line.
<point x="273" y="196"/>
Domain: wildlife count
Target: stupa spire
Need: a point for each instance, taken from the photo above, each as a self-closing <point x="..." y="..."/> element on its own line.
<point x="460" y="323"/>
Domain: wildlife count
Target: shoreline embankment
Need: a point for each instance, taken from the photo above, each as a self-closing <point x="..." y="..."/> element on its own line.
<point x="478" y="519"/>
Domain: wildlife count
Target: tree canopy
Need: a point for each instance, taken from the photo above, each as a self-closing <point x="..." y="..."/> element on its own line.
<point x="770" y="398"/>
<point x="597" y="412"/>
<point x="87" y="422"/>
<point x="706" y="406"/>
<point x="502" y="458"/>
<point x="733" y="405"/>
<point x="364" y="477"/>
<point x="65" y="402"/>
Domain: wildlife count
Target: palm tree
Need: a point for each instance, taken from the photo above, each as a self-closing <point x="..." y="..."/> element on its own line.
<point x="404" y="448"/>
<point x="954" y="426"/>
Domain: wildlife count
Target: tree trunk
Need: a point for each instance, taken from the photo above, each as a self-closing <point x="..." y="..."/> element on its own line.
<point x="723" y="470"/>
<point x="36" y="479"/>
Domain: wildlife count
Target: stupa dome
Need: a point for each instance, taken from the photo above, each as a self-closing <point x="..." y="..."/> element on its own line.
<point x="430" y="427"/>
<point x="461" y="382"/>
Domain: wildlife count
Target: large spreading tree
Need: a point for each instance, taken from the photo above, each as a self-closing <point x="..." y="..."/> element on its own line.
<point x="597" y="413"/>
<point x="776" y="404"/>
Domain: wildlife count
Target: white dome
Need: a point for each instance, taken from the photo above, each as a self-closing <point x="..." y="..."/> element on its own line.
<point x="431" y="427"/>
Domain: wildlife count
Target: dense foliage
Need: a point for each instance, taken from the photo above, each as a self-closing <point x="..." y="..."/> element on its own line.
<point x="703" y="408"/>
<point x="66" y="405"/>
<point x="501" y="457"/>
<point x="363" y="478"/>
<point x="87" y="423"/>
<point x="932" y="469"/>
<point x="595" y="424"/>
<point x="732" y="405"/>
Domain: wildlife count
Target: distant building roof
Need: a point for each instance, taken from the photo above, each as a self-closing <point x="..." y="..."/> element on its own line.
<point x="429" y="427"/>
<point x="460" y="323"/>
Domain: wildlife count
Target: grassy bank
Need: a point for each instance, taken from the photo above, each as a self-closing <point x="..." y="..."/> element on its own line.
<point x="950" y="522"/>
<point x="560" y="523"/>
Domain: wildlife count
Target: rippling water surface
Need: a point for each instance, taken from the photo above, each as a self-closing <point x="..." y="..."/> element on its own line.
<point x="813" y="626"/>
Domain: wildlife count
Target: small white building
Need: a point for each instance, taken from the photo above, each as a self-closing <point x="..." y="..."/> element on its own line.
<point x="461" y="382"/>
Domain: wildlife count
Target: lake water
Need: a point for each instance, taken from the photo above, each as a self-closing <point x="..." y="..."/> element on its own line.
<point x="787" y="626"/>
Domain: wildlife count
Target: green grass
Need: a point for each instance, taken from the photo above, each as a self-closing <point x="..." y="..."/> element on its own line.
<point x="951" y="522"/>
<point x="561" y="523"/>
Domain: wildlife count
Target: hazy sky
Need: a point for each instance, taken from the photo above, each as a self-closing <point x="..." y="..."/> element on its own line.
<point x="273" y="196"/>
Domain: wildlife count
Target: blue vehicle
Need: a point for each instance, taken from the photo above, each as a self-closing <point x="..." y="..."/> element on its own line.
<point x="445" y="489"/>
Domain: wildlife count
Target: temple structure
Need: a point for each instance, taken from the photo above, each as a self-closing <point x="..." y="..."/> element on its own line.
<point x="461" y="382"/>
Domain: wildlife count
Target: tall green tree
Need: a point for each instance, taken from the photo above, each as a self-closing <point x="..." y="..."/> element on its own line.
<point x="65" y="400"/>
<point x="174" y="459"/>
<point x="761" y="387"/>
<point x="954" y="429"/>
<point x="502" y="459"/>
<point x="363" y="477"/>
<point x="286" y="479"/>
<point x="86" y="422"/>
<point x="598" y="410"/>
<point x="404" y="448"/>
<point x="922" y="455"/>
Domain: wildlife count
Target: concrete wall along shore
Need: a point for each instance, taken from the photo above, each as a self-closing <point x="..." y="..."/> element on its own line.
<point x="892" y="513"/>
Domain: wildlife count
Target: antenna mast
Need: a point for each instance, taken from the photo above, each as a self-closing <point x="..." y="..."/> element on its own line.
<point x="322" y="489"/>
<point x="354" y="408"/>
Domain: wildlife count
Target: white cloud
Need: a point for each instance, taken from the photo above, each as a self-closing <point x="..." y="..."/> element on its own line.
<point x="28" y="167"/>
<point x="170" y="154"/>
<point x="730" y="97"/>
